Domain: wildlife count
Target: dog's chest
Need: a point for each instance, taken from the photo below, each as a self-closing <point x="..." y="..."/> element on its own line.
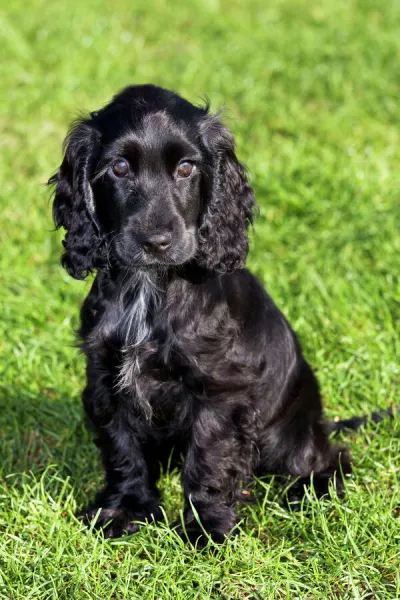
<point x="153" y="378"/>
<point x="150" y="347"/>
<point x="144" y="363"/>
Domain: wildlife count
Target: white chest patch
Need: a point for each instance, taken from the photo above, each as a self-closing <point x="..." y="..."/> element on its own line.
<point x="136" y="325"/>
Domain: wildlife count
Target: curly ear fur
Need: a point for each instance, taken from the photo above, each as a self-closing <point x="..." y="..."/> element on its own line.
<point x="223" y="241"/>
<point x="73" y="206"/>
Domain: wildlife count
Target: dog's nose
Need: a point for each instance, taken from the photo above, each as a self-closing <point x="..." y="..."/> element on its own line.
<point x="158" y="242"/>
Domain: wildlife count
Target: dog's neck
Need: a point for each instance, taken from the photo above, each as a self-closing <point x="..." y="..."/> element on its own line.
<point x="193" y="273"/>
<point x="142" y="293"/>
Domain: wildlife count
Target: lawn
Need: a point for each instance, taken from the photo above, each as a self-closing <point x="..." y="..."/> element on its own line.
<point x="311" y="91"/>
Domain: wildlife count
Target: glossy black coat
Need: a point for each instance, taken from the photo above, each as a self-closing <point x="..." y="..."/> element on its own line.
<point x="186" y="352"/>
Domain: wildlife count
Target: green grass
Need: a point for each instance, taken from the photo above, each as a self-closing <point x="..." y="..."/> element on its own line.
<point x="311" y="91"/>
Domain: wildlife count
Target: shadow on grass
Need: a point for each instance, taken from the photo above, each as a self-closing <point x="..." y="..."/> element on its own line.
<point x="42" y="430"/>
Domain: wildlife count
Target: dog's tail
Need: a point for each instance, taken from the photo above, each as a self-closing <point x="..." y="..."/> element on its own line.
<point x="356" y="423"/>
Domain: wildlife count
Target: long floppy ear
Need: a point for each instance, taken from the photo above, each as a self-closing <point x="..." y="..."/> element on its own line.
<point x="73" y="206"/>
<point x="229" y="205"/>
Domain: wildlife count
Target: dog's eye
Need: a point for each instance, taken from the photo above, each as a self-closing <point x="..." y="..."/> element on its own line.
<point x="120" y="167"/>
<point x="184" y="169"/>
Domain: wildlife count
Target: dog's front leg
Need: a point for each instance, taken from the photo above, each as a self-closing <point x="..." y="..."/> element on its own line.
<point x="218" y="459"/>
<point x="130" y="494"/>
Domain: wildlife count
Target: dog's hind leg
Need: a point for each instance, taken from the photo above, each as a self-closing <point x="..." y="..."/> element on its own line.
<point x="296" y="443"/>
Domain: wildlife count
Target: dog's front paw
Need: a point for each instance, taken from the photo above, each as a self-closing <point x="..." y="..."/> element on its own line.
<point x="115" y="522"/>
<point x="199" y="536"/>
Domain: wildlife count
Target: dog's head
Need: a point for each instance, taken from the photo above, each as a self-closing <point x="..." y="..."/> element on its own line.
<point x="151" y="180"/>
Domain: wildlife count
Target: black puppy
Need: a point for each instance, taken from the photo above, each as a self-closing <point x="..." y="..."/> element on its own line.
<point x="185" y="350"/>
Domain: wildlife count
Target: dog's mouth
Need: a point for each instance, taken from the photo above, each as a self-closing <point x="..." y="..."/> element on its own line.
<point x="135" y="256"/>
<point x="139" y="259"/>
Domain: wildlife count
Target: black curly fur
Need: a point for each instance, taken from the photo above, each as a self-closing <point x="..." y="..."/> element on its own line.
<point x="223" y="241"/>
<point x="186" y="353"/>
<point x="71" y="211"/>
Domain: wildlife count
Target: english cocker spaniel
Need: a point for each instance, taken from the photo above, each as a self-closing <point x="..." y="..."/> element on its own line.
<point x="187" y="355"/>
